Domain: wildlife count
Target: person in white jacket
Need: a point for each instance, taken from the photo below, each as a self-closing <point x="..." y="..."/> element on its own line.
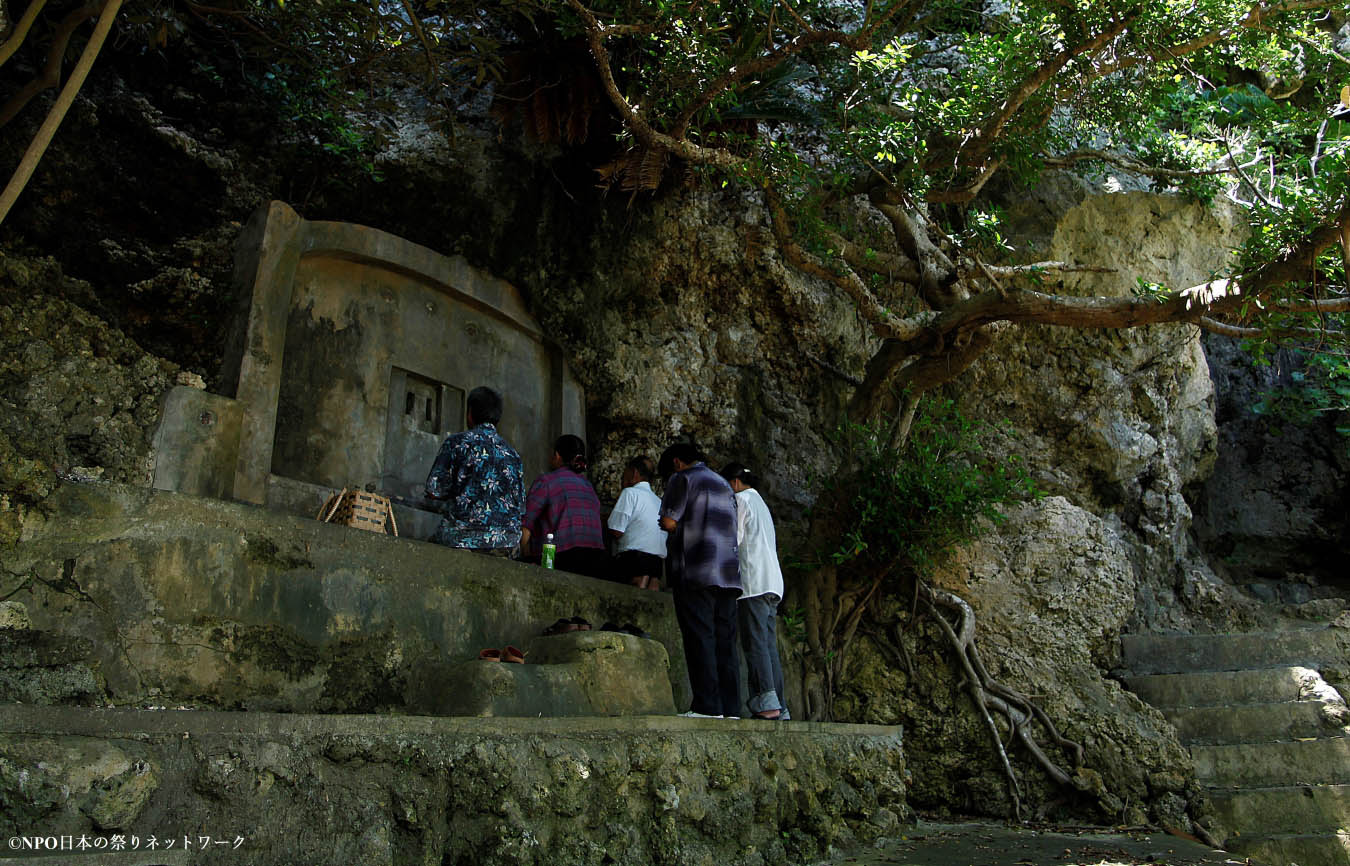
<point x="762" y="590"/>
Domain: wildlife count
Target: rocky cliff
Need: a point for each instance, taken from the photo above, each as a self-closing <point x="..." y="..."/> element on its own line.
<point x="680" y="319"/>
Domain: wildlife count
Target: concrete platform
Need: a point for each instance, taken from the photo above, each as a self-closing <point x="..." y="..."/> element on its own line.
<point x="219" y="605"/>
<point x="1323" y="849"/>
<point x="378" y="789"/>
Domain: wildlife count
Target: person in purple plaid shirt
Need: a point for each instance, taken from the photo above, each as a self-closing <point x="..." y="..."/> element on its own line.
<point x="564" y="503"/>
<point x="699" y="513"/>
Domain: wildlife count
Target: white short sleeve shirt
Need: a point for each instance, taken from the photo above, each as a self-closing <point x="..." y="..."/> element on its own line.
<point x="637" y="515"/>
<point x="757" y="544"/>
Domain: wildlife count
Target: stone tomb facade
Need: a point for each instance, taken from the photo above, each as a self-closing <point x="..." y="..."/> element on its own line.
<point x="358" y="351"/>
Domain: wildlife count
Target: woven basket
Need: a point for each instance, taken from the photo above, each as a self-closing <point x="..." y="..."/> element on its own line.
<point x="360" y="510"/>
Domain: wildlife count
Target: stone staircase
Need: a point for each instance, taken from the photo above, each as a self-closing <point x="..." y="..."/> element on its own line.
<point x="1266" y="731"/>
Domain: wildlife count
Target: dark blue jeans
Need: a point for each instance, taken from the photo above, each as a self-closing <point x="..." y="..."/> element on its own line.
<point x="707" y="617"/>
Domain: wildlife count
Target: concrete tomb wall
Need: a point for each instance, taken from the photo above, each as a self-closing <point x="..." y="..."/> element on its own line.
<point x="358" y="352"/>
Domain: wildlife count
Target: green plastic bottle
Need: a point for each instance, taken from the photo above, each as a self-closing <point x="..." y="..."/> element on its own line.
<point x="550" y="550"/>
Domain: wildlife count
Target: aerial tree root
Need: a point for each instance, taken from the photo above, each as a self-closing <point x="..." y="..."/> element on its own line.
<point x="989" y="695"/>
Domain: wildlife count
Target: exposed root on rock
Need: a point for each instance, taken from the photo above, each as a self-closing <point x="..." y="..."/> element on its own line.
<point x="990" y="696"/>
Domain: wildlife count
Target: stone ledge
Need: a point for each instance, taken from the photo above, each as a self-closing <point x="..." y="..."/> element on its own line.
<point x="390" y="790"/>
<point x="125" y="722"/>
<point x="188" y="600"/>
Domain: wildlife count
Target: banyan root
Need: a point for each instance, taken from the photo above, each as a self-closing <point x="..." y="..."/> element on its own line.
<point x="989" y="695"/>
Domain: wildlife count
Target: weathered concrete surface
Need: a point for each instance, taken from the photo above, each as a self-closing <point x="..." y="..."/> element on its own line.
<point x="580" y="673"/>
<point x="377" y="790"/>
<point x="215" y="604"/>
<point x="356" y="356"/>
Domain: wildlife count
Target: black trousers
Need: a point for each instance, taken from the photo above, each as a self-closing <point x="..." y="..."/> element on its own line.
<point x="707" y="618"/>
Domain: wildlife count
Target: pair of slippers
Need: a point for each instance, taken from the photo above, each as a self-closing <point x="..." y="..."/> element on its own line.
<point x="626" y="628"/>
<point x="564" y="625"/>
<point x="510" y="654"/>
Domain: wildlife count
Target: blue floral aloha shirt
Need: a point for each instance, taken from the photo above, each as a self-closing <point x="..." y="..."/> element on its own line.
<point x="480" y="480"/>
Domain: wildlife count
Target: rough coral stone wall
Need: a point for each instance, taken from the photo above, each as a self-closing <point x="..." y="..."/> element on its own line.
<point x="487" y="792"/>
<point x="79" y="397"/>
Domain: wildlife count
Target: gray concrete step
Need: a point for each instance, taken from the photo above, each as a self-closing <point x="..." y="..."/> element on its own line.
<point x="1259" y="723"/>
<point x="1331" y="849"/>
<point x="1286" y="810"/>
<point x="1272" y="765"/>
<point x="1176" y="653"/>
<point x="1219" y="689"/>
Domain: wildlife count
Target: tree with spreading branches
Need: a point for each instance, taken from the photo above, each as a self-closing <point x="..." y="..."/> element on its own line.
<point x="847" y="117"/>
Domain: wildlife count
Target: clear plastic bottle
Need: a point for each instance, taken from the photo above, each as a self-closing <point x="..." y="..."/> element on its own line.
<point x="550" y="550"/>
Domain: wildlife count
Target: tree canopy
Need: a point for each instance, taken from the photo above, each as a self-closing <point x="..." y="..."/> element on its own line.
<point x="871" y="128"/>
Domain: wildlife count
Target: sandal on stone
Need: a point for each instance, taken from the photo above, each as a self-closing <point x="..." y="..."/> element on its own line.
<point x="580" y="624"/>
<point x="490" y="655"/>
<point x="654" y="584"/>
<point x="777" y="714"/>
<point x="511" y="654"/>
<point x="562" y="625"/>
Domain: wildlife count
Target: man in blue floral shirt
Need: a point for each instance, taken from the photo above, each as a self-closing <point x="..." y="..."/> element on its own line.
<point x="479" y="478"/>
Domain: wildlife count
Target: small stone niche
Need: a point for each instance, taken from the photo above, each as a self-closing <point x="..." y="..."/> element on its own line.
<point x="421" y="412"/>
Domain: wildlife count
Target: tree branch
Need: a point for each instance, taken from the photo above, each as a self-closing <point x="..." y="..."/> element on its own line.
<point x="422" y="38"/>
<point x="881" y="319"/>
<point x="43" y="137"/>
<point x="1216" y="327"/>
<point x="1038" y="79"/>
<point x="632" y="118"/>
<point x="755" y="67"/>
<point x="20" y="30"/>
<point x="1252" y="19"/>
<point x="50" y="76"/>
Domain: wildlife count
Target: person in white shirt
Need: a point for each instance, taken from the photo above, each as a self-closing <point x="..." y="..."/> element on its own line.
<point x="640" y="546"/>
<point x="762" y="590"/>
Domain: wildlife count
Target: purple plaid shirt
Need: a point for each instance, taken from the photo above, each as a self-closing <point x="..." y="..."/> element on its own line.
<point x="563" y="503"/>
<point x="703" y="545"/>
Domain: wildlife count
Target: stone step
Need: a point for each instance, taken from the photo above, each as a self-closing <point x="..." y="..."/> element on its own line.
<point x="1259" y="723"/>
<point x="1331" y="849"/>
<point x="1272" y="765"/>
<point x="1286" y="810"/>
<point x="1229" y="688"/>
<point x="1176" y="653"/>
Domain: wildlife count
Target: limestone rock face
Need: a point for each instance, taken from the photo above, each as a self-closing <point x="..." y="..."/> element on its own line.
<point x="1276" y="500"/>
<point x="1052" y="589"/>
<point x="1121" y="423"/>
<point x="80" y="400"/>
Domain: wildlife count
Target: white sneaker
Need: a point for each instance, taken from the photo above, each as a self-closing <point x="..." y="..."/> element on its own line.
<point x="730" y="717"/>
<point x="693" y="715"/>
